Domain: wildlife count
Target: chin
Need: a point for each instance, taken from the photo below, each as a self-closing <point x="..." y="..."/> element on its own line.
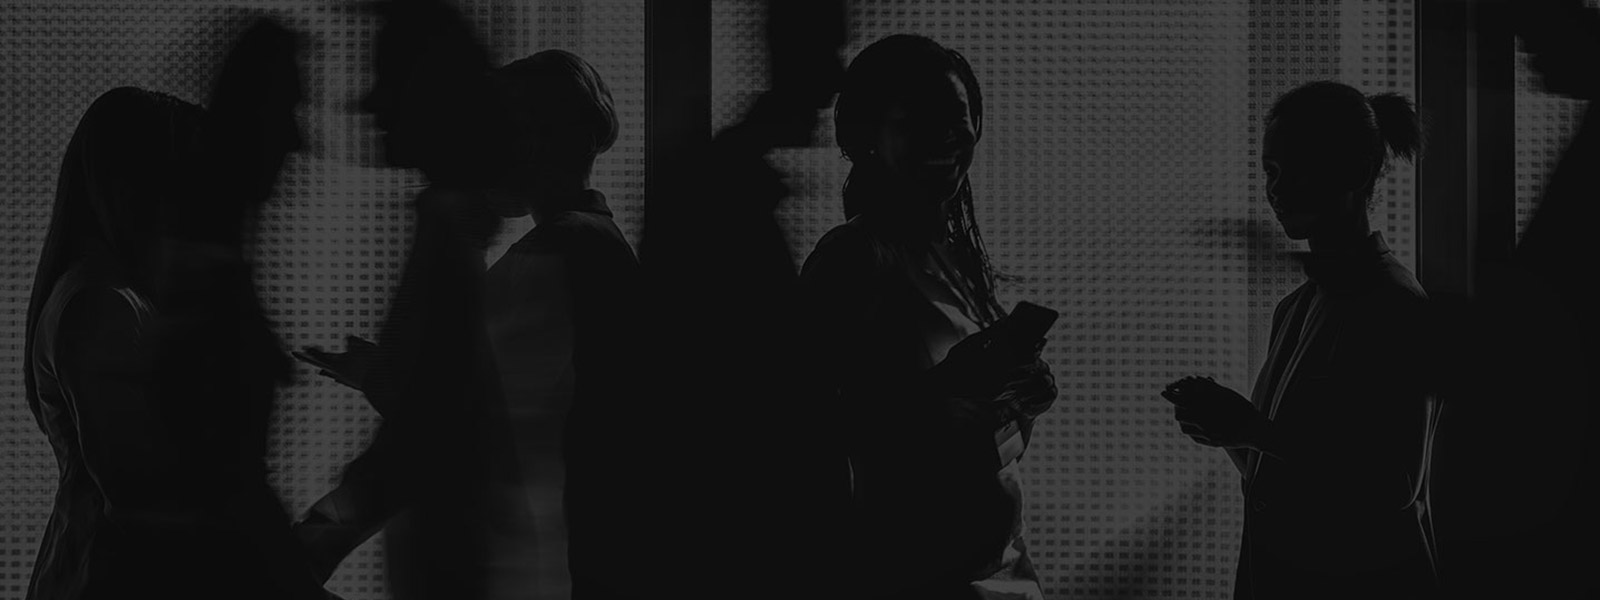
<point x="396" y="154"/>
<point x="944" y="189"/>
<point x="1296" y="235"/>
<point x="1295" y="229"/>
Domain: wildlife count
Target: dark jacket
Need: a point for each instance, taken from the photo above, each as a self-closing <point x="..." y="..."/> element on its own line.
<point x="1345" y="381"/>
<point x="930" y="516"/>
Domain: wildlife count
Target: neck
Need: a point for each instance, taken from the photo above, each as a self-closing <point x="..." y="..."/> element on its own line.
<point x="550" y="195"/>
<point x="927" y="221"/>
<point x="1343" y="236"/>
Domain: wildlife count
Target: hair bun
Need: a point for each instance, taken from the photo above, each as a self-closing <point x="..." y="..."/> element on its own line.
<point x="1397" y="124"/>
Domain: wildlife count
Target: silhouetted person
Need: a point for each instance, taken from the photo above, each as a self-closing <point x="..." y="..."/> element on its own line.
<point x="432" y="475"/>
<point x="563" y="320"/>
<point x="743" y="475"/>
<point x="150" y="364"/>
<point x="1516" y="456"/>
<point x="894" y="298"/>
<point x="1330" y="444"/>
<point x="1557" y="249"/>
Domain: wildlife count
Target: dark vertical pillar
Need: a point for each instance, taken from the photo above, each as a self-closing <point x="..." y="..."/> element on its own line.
<point x="677" y="92"/>
<point x="1466" y="212"/>
<point x="1466" y="196"/>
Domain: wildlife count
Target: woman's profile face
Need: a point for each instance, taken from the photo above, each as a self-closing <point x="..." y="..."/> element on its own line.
<point x="394" y="67"/>
<point x="1303" y="185"/>
<point x="927" y="137"/>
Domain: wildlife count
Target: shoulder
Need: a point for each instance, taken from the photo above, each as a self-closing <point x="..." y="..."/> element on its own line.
<point x="98" y="319"/>
<point x="96" y="291"/>
<point x="572" y="227"/>
<point x="585" y="237"/>
<point x="1395" y="296"/>
<point x="852" y="248"/>
<point x="1303" y="293"/>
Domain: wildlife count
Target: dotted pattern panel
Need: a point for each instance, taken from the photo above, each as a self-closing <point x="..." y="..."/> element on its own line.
<point x="331" y="244"/>
<point x="1118" y="180"/>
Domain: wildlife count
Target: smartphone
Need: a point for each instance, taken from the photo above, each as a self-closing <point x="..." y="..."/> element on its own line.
<point x="1025" y="326"/>
<point x="311" y="356"/>
<point x="314" y="361"/>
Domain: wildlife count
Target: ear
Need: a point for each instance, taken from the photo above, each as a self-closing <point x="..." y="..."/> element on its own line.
<point x="1358" y="177"/>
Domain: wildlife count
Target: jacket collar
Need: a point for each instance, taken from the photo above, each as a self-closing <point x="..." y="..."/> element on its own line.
<point x="1348" y="269"/>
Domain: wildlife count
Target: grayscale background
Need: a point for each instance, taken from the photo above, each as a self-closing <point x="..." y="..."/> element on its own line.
<point x="1117" y="179"/>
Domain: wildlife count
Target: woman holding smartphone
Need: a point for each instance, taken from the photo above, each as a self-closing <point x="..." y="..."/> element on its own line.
<point x="1330" y="445"/>
<point x="895" y="292"/>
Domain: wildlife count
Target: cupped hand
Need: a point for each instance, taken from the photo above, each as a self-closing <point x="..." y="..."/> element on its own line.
<point x="1214" y="415"/>
<point x="1029" y="392"/>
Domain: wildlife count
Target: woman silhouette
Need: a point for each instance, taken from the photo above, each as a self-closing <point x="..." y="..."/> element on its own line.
<point x="149" y="363"/>
<point x="1331" y="443"/>
<point x="893" y="291"/>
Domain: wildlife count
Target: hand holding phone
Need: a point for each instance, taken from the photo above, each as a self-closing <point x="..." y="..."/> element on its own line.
<point x="1024" y="330"/>
<point x="349" y="368"/>
<point x="990" y="356"/>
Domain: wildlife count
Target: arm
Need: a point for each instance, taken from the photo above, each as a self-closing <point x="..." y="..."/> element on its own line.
<point x="422" y="364"/>
<point x="1357" y="434"/>
<point x="105" y="363"/>
<point x="533" y="341"/>
<point x="944" y="464"/>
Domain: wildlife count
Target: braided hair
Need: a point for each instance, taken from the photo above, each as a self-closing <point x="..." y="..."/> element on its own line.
<point x="871" y="86"/>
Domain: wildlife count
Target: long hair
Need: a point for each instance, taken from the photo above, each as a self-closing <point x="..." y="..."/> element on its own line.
<point x="872" y="83"/>
<point x="120" y="174"/>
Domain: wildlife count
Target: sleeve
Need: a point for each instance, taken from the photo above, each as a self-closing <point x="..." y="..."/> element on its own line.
<point x="533" y="341"/>
<point x="534" y="347"/>
<point x="1241" y="456"/>
<point x="938" y="468"/>
<point x="105" y="360"/>
<point x="422" y="377"/>
<point x="842" y="297"/>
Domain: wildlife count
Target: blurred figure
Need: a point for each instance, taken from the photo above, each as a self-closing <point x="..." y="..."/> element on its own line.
<point x="431" y="475"/>
<point x="563" y="323"/>
<point x="746" y="482"/>
<point x="1332" y="446"/>
<point x="896" y="298"/>
<point x="149" y="362"/>
<point x="1517" y="446"/>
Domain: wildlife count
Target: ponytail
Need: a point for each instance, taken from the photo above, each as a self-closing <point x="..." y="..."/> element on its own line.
<point x="1398" y="125"/>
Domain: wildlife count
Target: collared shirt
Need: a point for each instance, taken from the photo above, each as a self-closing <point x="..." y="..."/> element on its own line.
<point x="558" y="329"/>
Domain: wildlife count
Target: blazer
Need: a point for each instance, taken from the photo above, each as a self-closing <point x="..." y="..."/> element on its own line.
<point x="1345" y="382"/>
